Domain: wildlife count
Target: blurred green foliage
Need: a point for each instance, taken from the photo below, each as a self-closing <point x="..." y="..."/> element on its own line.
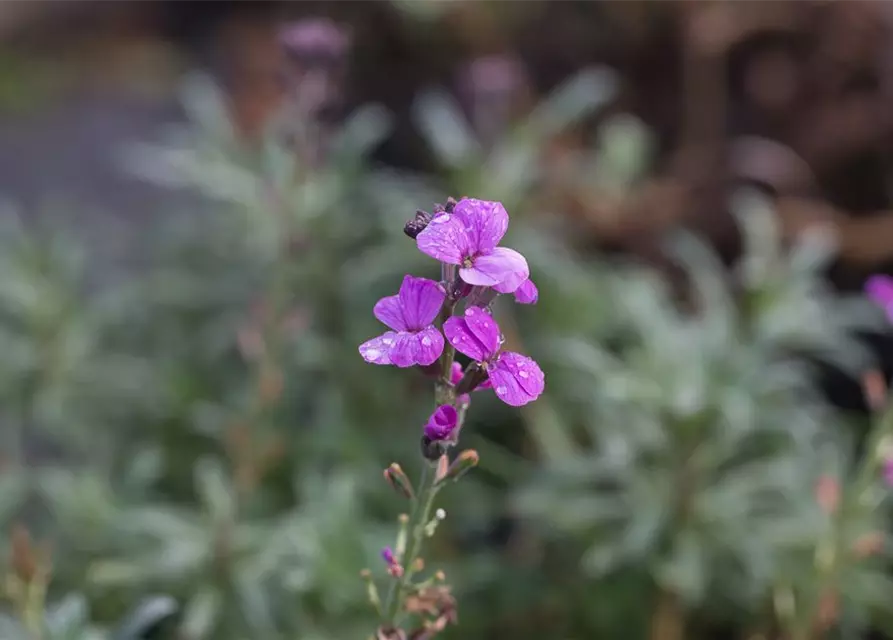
<point x="201" y="445"/>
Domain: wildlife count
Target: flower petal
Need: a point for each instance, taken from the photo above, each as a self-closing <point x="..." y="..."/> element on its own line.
<point x="423" y="348"/>
<point x="502" y="266"/>
<point x="445" y="239"/>
<point x="429" y="345"/>
<point x="463" y="339"/>
<point x="456" y="373"/>
<point x="486" y="222"/>
<point x="388" y="311"/>
<point x="527" y="293"/>
<point x="442" y="422"/>
<point x="378" y="350"/>
<point x="420" y="301"/>
<point x="482" y="325"/>
<point x="516" y="379"/>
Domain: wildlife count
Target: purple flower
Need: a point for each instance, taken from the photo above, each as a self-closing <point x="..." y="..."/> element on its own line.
<point x="414" y="339"/>
<point x="517" y="379"/>
<point x="467" y="237"/>
<point x="314" y="37"/>
<point x="526" y="293"/>
<point x="442" y="423"/>
<point x="880" y="289"/>
<point x="387" y="554"/>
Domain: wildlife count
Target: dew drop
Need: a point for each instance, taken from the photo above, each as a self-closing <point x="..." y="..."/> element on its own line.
<point x="500" y="391"/>
<point x="372" y="354"/>
<point x="426" y="341"/>
<point x="457" y="340"/>
<point x="469" y="312"/>
<point x="523" y="374"/>
<point x="387" y="341"/>
<point x="441" y="219"/>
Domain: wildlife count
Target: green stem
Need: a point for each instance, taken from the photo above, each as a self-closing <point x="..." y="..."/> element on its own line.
<point x="420" y="517"/>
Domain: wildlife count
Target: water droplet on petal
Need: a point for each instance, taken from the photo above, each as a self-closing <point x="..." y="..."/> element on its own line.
<point x="457" y="340"/>
<point x="523" y="374"/>
<point x="426" y="341"/>
<point x="441" y="219"/>
<point x="470" y="311"/>
<point x="500" y="391"/>
<point x="387" y="341"/>
<point x="372" y="354"/>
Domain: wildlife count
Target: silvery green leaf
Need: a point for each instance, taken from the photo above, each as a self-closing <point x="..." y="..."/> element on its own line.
<point x="364" y="130"/>
<point x="624" y="151"/>
<point x="684" y="571"/>
<point x="445" y="128"/>
<point x="10" y="629"/>
<point x="201" y="614"/>
<point x="66" y="619"/>
<point x="148" y="616"/>
<point x="581" y="95"/>
<point x="215" y="489"/>
<point x="205" y="104"/>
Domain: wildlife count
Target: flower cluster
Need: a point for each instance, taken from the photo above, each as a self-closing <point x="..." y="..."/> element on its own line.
<point x="464" y="236"/>
<point x="428" y="322"/>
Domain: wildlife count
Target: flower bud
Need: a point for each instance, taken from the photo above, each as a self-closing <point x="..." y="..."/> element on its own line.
<point x="419" y="222"/>
<point x="464" y="462"/>
<point x="371" y="590"/>
<point x="397" y="479"/>
<point x="442" y="423"/>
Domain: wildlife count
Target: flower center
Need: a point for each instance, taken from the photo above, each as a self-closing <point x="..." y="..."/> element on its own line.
<point x="468" y="262"/>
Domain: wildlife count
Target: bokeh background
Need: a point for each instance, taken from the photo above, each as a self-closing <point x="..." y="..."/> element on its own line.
<point x="196" y="222"/>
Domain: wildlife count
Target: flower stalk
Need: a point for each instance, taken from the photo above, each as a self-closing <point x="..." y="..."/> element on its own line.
<point x="425" y="331"/>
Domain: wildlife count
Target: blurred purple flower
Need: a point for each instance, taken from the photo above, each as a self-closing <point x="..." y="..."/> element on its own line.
<point x="467" y="237"/>
<point x="880" y="289"/>
<point x="387" y="554"/>
<point x="411" y="313"/>
<point x="517" y="379"/>
<point x="314" y="38"/>
<point x="442" y="423"/>
<point x="494" y="76"/>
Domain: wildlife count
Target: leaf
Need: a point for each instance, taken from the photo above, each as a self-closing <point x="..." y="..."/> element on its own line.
<point x="150" y="615"/>
<point x="445" y="128"/>
<point x="577" y="97"/>
<point x="66" y="619"/>
<point x="201" y="614"/>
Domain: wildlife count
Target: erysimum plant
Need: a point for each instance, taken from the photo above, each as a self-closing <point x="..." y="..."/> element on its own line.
<point x="426" y="330"/>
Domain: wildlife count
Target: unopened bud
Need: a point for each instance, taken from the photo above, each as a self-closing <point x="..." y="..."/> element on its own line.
<point x="869" y="544"/>
<point x="827" y="493"/>
<point x="474" y="375"/>
<point x="397" y="479"/>
<point x="23" y="557"/>
<point x="440" y="576"/>
<point x="402" y="534"/>
<point x="443" y="465"/>
<point x="418" y="565"/>
<point x="875" y="388"/>
<point x="464" y="462"/>
<point x="432" y="450"/>
<point x="419" y="223"/>
<point x="371" y="590"/>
